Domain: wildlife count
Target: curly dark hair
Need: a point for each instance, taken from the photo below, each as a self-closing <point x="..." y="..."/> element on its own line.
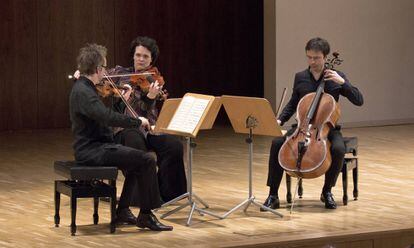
<point x="318" y="44"/>
<point x="148" y="43"/>
<point x="90" y="57"/>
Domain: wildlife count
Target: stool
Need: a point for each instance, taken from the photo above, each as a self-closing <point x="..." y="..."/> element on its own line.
<point x="350" y="163"/>
<point x="84" y="182"/>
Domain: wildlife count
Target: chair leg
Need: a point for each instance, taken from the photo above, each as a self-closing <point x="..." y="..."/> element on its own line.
<point x="355" y="179"/>
<point x="345" y="184"/>
<point x="288" y="188"/>
<point x="73" y="215"/>
<point x="112" y="225"/>
<point x="95" y="210"/>
<point x="57" y="206"/>
<point x="300" y="189"/>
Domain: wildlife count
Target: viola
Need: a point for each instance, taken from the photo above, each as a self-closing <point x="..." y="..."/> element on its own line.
<point x="306" y="153"/>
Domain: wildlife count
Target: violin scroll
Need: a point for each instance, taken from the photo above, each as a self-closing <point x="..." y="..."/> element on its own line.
<point x="331" y="63"/>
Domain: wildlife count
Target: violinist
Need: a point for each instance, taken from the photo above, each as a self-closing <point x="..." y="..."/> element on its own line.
<point x="307" y="81"/>
<point x="94" y="144"/>
<point x="169" y="149"/>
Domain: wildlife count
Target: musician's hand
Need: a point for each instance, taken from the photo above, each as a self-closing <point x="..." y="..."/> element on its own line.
<point x="163" y="94"/>
<point x="76" y="74"/>
<point x="127" y="93"/>
<point x="144" y="123"/>
<point x="153" y="90"/>
<point x="334" y="76"/>
<point x="278" y="121"/>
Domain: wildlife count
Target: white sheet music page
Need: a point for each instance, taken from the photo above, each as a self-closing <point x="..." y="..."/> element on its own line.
<point x="188" y="114"/>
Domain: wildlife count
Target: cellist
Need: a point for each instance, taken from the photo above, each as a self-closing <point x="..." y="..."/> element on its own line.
<point x="307" y="81"/>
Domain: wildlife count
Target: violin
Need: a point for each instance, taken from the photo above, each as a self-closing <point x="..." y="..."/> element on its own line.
<point x="306" y="153"/>
<point x="105" y="89"/>
<point x="143" y="80"/>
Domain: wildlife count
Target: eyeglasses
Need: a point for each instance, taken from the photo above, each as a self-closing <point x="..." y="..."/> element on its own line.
<point x="103" y="66"/>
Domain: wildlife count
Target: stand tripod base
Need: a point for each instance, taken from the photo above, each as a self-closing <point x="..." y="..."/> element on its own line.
<point x="190" y="202"/>
<point x="251" y="122"/>
<point x="247" y="203"/>
<point x="190" y="196"/>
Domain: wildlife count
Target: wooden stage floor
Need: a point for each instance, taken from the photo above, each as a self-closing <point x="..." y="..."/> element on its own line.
<point x="220" y="177"/>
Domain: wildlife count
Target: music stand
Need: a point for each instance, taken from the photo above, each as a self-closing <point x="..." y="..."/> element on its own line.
<point x="205" y="122"/>
<point x="250" y="115"/>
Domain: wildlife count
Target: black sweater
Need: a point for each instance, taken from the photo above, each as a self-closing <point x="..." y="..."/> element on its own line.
<point x="305" y="83"/>
<point x="91" y="121"/>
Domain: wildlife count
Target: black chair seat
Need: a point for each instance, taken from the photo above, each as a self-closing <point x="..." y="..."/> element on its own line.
<point x="351" y="145"/>
<point x="83" y="182"/>
<point x="72" y="171"/>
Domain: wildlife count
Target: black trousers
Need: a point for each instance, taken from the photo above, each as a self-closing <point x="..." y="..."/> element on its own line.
<point x="140" y="169"/>
<point x="275" y="173"/>
<point x="169" y="150"/>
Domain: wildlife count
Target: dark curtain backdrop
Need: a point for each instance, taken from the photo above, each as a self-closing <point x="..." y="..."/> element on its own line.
<point x="207" y="46"/>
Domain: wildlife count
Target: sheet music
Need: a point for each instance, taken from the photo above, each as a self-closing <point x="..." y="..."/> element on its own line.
<point x="188" y="114"/>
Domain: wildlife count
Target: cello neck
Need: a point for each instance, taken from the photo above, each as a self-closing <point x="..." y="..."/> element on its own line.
<point x="315" y="101"/>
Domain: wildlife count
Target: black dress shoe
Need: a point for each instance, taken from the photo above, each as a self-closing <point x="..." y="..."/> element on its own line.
<point x="329" y="201"/>
<point x="125" y="216"/>
<point x="271" y="202"/>
<point x="151" y="222"/>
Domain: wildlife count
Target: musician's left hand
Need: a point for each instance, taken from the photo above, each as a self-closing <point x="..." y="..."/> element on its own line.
<point x="76" y="74"/>
<point x="153" y="90"/>
<point x="333" y="76"/>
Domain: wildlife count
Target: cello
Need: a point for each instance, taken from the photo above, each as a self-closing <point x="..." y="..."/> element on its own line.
<point x="306" y="153"/>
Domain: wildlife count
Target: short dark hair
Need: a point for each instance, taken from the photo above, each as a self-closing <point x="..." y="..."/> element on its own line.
<point x="149" y="44"/>
<point x="90" y="57"/>
<point x="318" y="44"/>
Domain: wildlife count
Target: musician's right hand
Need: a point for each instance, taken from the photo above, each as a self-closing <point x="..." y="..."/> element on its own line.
<point x="278" y="121"/>
<point x="145" y="123"/>
<point x="127" y="93"/>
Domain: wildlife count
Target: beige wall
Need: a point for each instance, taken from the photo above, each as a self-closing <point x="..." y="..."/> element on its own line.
<point x="374" y="37"/>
